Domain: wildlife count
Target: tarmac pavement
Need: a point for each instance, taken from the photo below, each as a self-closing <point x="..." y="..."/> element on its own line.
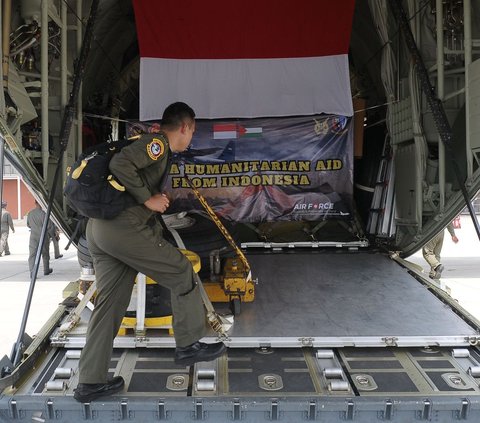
<point x="15" y="283"/>
<point x="461" y="276"/>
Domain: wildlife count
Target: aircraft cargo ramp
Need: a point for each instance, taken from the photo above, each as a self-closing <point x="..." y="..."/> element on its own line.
<point x="368" y="300"/>
<point x="364" y="345"/>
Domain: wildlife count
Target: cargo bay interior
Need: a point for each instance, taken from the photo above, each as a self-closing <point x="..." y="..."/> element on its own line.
<point x="323" y="287"/>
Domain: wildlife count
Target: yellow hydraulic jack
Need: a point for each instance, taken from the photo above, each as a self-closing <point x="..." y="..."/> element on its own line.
<point x="235" y="284"/>
<point x="229" y="284"/>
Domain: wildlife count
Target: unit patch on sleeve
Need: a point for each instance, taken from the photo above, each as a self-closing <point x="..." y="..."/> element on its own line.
<point x="155" y="149"/>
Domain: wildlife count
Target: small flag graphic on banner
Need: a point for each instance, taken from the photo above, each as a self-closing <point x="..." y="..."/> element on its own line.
<point x="232" y="131"/>
<point x="224" y="131"/>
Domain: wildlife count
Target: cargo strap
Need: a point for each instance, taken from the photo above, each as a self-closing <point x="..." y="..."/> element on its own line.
<point x="75" y="316"/>
<point x="220" y="324"/>
<point x="221" y="227"/>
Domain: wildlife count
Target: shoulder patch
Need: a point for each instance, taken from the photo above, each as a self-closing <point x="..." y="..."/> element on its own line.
<point x="155" y="148"/>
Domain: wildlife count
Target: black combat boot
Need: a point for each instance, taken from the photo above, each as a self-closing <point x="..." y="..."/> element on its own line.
<point x="198" y="351"/>
<point x="87" y="392"/>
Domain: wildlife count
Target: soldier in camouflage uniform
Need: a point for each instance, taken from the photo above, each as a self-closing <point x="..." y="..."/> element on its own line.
<point x="133" y="242"/>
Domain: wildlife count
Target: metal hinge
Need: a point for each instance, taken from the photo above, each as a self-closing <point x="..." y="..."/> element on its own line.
<point x="390" y="341"/>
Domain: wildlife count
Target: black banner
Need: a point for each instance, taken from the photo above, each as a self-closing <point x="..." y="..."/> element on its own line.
<point x="253" y="170"/>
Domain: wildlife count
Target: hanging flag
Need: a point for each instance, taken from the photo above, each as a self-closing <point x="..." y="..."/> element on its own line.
<point x="244" y="58"/>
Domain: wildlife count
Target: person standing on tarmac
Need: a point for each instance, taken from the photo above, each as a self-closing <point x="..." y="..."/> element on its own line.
<point x="6" y="224"/>
<point x="133" y="242"/>
<point x="432" y="249"/>
<point x="35" y="219"/>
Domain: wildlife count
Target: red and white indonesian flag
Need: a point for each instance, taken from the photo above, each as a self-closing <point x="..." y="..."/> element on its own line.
<point x="249" y="58"/>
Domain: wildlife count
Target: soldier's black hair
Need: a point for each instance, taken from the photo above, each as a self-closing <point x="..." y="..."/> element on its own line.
<point x="176" y="114"/>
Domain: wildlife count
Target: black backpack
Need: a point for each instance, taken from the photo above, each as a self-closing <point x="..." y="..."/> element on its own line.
<point x="90" y="189"/>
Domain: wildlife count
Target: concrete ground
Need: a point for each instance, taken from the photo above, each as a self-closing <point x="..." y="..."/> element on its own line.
<point x="15" y="283"/>
<point x="461" y="276"/>
<point x="462" y="266"/>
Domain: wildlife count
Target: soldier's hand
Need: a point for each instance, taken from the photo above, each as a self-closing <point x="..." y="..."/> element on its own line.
<point x="158" y="203"/>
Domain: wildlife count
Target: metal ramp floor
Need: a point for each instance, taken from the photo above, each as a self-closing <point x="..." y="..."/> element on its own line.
<point x="328" y="299"/>
<point x="332" y="299"/>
